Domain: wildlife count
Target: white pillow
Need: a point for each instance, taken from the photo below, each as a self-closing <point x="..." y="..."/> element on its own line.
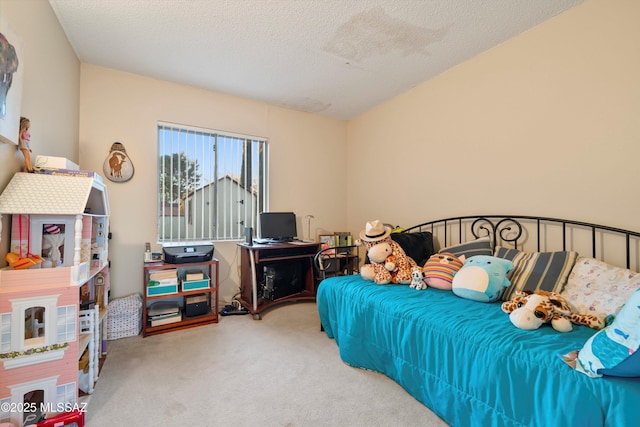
<point x="597" y="288"/>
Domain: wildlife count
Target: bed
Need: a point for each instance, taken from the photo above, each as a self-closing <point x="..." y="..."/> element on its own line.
<point x="464" y="359"/>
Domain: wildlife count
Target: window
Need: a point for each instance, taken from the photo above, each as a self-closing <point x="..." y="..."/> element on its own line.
<point x="34" y="322"/>
<point x="5" y="332"/>
<point x="34" y="325"/>
<point x="66" y="393"/>
<point x="66" y="324"/>
<point x="211" y="185"/>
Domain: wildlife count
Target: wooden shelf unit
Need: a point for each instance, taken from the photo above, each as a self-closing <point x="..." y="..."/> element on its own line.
<point x="210" y="268"/>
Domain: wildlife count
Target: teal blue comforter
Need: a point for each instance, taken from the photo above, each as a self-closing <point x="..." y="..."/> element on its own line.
<point x="465" y="360"/>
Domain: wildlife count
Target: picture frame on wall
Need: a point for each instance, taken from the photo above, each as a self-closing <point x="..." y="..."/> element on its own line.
<point x="327" y="241"/>
<point x="11" y="76"/>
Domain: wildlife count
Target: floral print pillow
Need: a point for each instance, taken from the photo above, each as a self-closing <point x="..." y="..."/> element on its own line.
<point x="597" y="288"/>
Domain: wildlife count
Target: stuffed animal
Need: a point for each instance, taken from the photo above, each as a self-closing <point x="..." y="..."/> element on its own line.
<point x="529" y="310"/>
<point x="417" y="279"/>
<point x="482" y="278"/>
<point x="381" y="263"/>
<point x="440" y="268"/>
<point x="389" y="262"/>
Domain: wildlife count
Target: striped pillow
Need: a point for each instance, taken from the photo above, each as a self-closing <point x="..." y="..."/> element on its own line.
<point x="546" y="271"/>
<point x="481" y="246"/>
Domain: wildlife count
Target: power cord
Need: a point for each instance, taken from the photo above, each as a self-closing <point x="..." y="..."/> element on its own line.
<point x="234" y="308"/>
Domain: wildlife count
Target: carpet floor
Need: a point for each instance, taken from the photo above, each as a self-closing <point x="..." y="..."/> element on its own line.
<point x="278" y="371"/>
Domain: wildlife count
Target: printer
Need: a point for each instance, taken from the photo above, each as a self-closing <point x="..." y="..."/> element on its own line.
<point x="182" y="253"/>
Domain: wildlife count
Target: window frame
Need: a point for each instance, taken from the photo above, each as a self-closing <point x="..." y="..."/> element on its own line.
<point x="215" y="193"/>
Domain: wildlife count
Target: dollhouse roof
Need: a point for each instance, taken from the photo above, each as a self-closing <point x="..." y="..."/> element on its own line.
<point x="50" y="194"/>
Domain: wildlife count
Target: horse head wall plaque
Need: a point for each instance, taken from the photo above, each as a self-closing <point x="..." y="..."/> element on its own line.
<point x="118" y="166"/>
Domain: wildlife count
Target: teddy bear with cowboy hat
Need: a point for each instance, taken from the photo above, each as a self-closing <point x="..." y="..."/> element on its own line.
<point x="388" y="261"/>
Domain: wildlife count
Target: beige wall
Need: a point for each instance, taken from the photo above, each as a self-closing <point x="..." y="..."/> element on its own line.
<point x="308" y="160"/>
<point x="50" y="92"/>
<point x="547" y="123"/>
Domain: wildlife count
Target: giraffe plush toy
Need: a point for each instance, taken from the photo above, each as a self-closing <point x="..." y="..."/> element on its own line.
<point x="529" y="310"/>
<point x="389" y="262"/>
<point x="378" y="270"/>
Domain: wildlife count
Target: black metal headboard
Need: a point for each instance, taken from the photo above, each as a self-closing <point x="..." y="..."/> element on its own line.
<point x="613" y="245"/>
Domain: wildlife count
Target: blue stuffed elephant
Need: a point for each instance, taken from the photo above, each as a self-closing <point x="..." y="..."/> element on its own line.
<point x="482" y="278"/>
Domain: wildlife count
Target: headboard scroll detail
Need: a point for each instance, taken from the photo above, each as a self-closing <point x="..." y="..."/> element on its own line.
<point x="507" y="229"/>
<point x="531" y="233"/>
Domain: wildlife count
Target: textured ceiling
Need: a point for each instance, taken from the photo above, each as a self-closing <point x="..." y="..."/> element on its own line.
<point x="337" y="58"/>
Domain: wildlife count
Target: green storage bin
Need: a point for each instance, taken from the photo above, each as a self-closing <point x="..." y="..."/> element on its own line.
<point x="161" y="289"/>
<point x="193" y="285"/>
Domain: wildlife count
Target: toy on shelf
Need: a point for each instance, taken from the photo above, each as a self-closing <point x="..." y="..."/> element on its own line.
<point x="21" y="257"/>
<point x="24" y="138"/>
<point x="53" y="239"/>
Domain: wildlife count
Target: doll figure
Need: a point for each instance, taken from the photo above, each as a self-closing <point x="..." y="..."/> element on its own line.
<point x="24" y="138"/>
<point x="53" y="239"/>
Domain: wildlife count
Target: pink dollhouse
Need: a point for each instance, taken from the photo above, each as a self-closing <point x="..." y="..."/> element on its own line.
<point x="61" y="222"/>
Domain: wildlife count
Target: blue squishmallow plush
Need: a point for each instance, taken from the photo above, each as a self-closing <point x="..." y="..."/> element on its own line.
<point x="482" y="278"/>
<point x="615" y="350"/>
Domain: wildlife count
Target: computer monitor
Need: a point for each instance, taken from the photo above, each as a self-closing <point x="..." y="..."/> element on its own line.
<point x="278" y="226"/>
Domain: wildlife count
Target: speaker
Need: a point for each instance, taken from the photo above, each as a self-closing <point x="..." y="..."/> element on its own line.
<point x="248" y="234"/>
